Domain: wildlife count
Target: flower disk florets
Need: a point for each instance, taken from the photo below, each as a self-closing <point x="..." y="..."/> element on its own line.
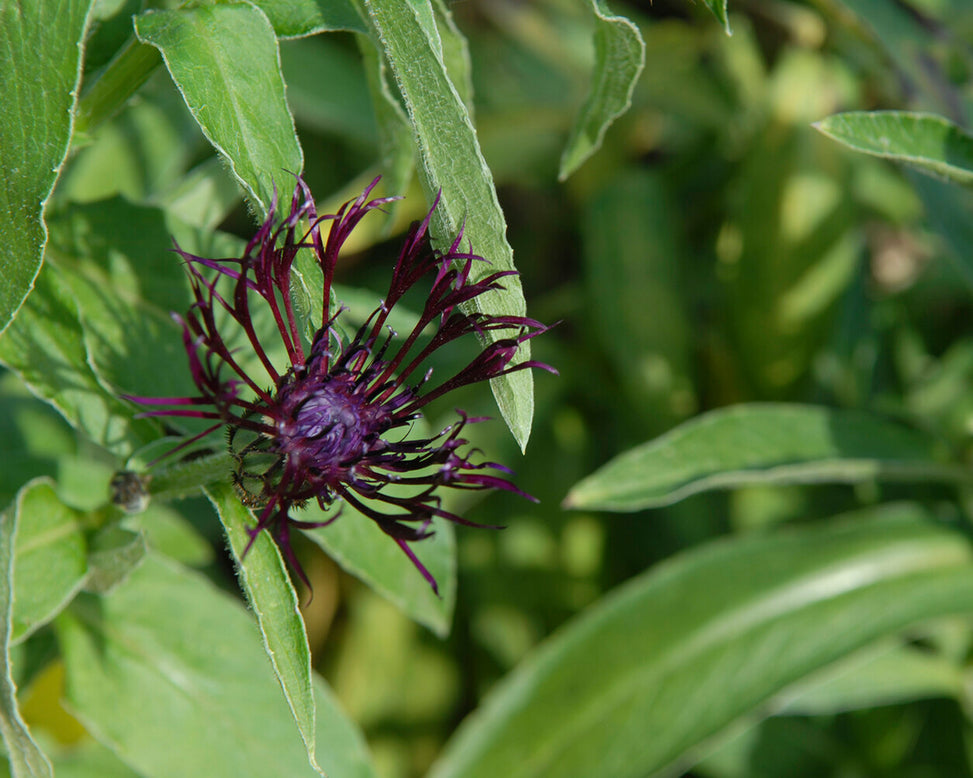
<point x="317" y="428"/>
<point x="326" y="428"/>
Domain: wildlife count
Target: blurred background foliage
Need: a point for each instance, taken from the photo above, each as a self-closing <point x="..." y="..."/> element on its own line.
<point x="716" y="250"/>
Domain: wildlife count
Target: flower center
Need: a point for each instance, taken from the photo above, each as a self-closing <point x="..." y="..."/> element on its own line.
<point x="328" y="428"/>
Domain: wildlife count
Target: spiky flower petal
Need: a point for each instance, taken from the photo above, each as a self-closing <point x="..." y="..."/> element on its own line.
<point x="321" y="429"/>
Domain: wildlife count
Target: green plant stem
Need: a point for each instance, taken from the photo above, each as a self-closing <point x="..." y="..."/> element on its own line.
<point x="121" y="79"/>
<point x="189" y="476"/>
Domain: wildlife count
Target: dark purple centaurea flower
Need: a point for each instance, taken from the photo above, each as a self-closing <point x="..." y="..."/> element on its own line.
<point x="321" y="431"/>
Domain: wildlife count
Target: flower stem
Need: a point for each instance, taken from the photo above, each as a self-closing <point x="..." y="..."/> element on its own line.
<point x="186" y="477"/>
<point x="120" y="79"/>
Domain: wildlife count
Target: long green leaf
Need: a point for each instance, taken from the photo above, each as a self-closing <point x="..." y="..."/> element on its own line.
<point x="926" y="141"/>
<point x="453" y="166"/>
<point x="225" y="62"/>
<point x="752" y="444"/>
<point x="674" y="657"/>
<point x="170" y="673"/>
<point x="887" y="673"/>
<point x="40" y="67"/>
<point x="619" y="59"/>
<point x="273" y="600"/>
<point x="26" y="759"/>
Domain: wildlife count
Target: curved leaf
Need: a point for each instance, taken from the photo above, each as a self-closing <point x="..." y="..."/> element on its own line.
<point x="619" y="59"/>
<point x="674" y="657"/>
<point x="40" y="67"/>
<point x="887" y="673"/>
<point x="225" y="62"/>
<point x="926" y="141"/>
<point x="453" y="165"/>
<point x="749" y="444"/>
<point x="273" y="600"/>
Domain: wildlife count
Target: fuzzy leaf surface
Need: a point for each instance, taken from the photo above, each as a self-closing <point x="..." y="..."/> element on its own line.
<point x="453" y="166"/>
<point x="296" y="19"/>
<point x="40" y="66"/>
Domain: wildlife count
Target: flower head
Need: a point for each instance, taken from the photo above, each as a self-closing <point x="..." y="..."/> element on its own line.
<point x="318" y="426"/>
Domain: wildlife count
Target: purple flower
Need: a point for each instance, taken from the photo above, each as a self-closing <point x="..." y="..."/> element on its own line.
<point x="321" y="429"/>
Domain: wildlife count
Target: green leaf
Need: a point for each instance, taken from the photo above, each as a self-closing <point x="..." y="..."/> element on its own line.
<point x="124" y="248"/>
<point x="118" y="260"/>
<point x="50" y="561"/>
<point x="224" y="60"/>
<point x="887" y="673"/>
<point x="40" y="68"/>
<point x="46" y="346"/>
<point x="115" y="552"/>
<point x="148" y="148"/>
<point x="455" y="52"/>
<point x="298" y="18"/>
<point x="761" y="444"/>
<point x="928" y="142"/>
<point x="170" y="673"/>
<point x="619" y="59"/>
<point x="718" y="7"/>
<point x="452" y="165"/>
<point x="25" y="758"/>
<point x="358" y="544"/>
<point x="395" y="139"/>
<point x="273" y="600"/>
<point x="676" y="656"/>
